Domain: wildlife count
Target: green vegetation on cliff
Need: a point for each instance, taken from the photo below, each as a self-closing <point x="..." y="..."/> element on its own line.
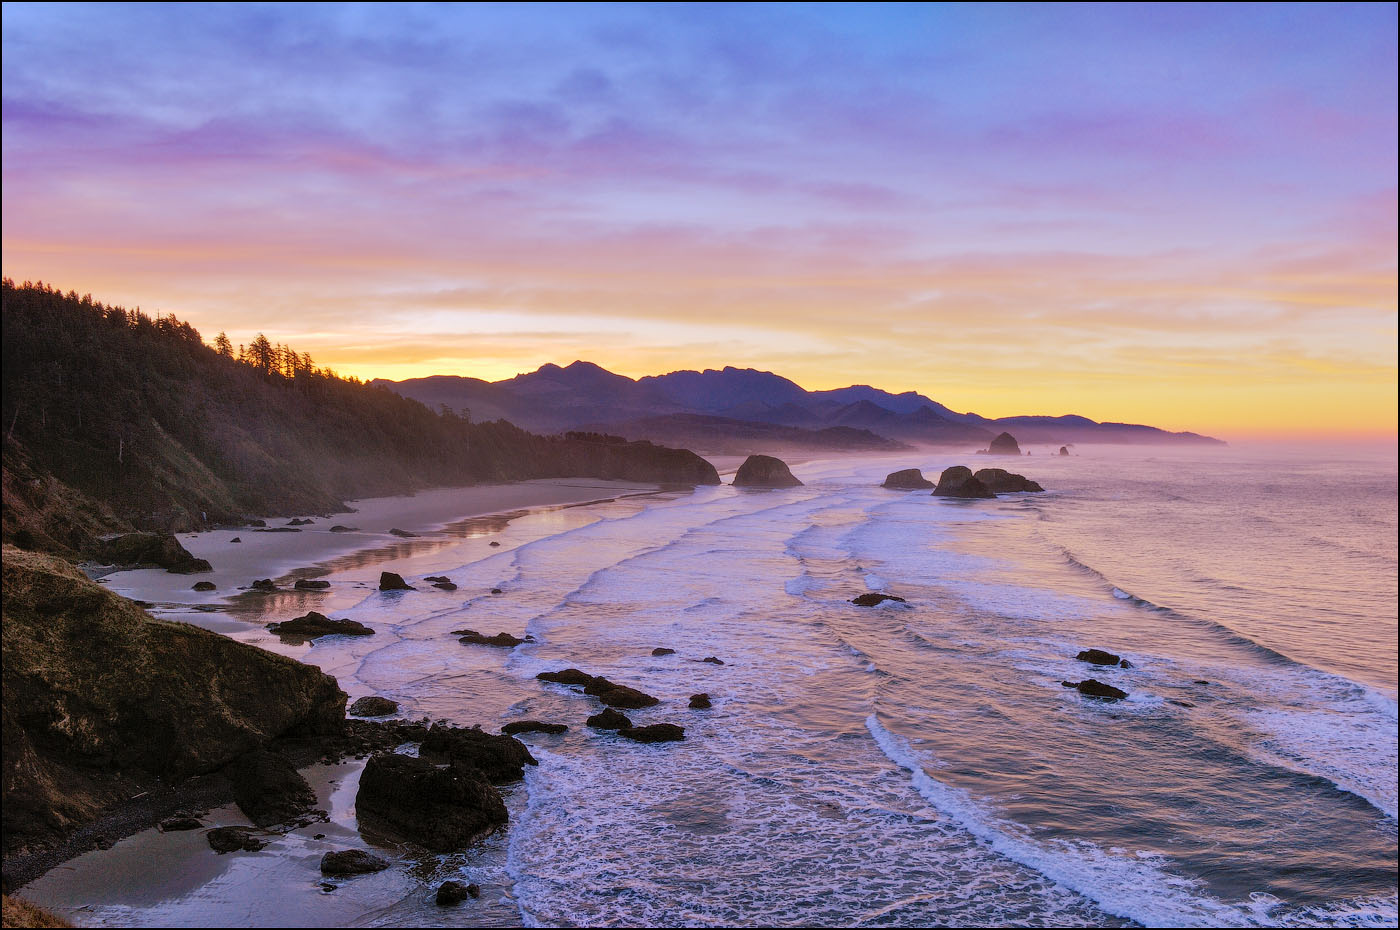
<point x="115" y="419"/>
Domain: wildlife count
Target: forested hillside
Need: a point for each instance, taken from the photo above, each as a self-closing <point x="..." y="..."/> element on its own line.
<point x="114" y="418"/>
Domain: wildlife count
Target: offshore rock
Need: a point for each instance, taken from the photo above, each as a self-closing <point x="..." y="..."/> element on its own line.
<point x="910" y="479"/>
<point x="101" y="702"/>
<point x="498" y="758"/>
<point x="402" y="534"/>
<point x="700" y="701"/>
<point x="569" y="676"/>
<point x="1099" y="657"/>
<point x="663" y="651"/>
<point x="1064" y="450"/>
<point x="389" y="581"/>
<point x="305" y="584"/>
<point x="443" y="809"/>
<point x="500" y="640"/>
<point x="533" y="726"/>
<point x="959" y="481"/>
<point x="873" y="599"/>
<point x="609" y="719"/>
<point x="615" y="695"/>
<point x="1002" y="481"/>
<point x="764" y="471"/>
<point x="313" y="624"/>
<point x="1005" y="444"/>
<point x="656" y="733"/>
<point x="1096" y="689"/>
<point x="205" y="586"/>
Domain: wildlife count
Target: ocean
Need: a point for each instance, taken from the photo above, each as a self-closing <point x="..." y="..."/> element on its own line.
<point x="912" y="764"/>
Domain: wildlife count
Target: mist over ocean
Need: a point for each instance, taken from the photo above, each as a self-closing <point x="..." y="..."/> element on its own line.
<point x="918" y="764"/>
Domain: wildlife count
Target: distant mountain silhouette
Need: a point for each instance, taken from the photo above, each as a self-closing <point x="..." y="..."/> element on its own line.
<point x="724" y="409"/>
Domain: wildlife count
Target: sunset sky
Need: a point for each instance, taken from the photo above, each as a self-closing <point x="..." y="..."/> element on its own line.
<point x="1176" y="215"/>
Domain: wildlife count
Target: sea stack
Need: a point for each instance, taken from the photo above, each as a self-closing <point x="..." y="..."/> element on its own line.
<point x="958" y="481"/>
<point x="764" y="471"/>
<point x="910" y="479"/>
<point x="1005" y="444"/>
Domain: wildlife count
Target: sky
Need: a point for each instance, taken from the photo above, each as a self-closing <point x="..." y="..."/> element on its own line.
<point x="1181" y="215"/>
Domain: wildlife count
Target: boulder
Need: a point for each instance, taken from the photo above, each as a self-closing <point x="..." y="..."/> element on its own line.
<point x="764" y="471"/>
<point x="1064" y="450"/>
<point x="873" y="599"/>
<point x="609" y="719"/>
<point x="712" y="660"/>
<point x="313" y="624"/>
<point x="656" y="733"/>
<point x="959" y="481"/>
<point x="305" y="584"/>
<point x="533" y="726"/>
<point x="1005" y="444"/>
<point x="205" y="586"/>
<point x="700" y="701"/>
<point x="494" y="545"/>
<point x="300" y="522"/>
<point x="501" y="640"/>
<point x="102" y="703"/>
<point x="436" y="578"/>
<point x="1001" y="481"/>
<point x="498" y="758"/>
<point x="444" y="586"/>
<point x="236" y="539"/>
<point x="663" y="651"/>
<point x="1100" y="657"/>
<point x="374" y="706"/>
<point x="160" y="550"/>
<point x="338" y="528"/>
<point x="615" y="695"/>
<point x="496" y="591"/>
<point x="268" y="788"/>
<point x="450" y="893"/>
<point x="389" y="581"/>
<point x="263" y="584"/>
<point x="351" y="862"/>
<point x="1096" y="689"/>
<point x="231" y="839"/>
<point x="443" y="809"/>
<point x="910" y="479"/>
<point x="569" y="676"/>
<point x="402" y="534"/>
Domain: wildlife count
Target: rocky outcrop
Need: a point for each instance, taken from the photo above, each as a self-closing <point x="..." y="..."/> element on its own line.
<point x="147" y="550"/>
<point x="1100" y="657"/>
<point x="609" y="719"/>
<point x="1096" y="689"/>
<point x="443" y="809"/>
<point x="450" y="893"/>
<point x="101" y="702"/>
<point x="656" y="733"/>
<point x="910" y="479"/>
<point x="351" y="862"/>
<point x="306" y="584"/>
<point x="264" y="584"/>
<point x="569" y="676"/>
<point x="959" y="481"/>
<point x="313" y="624"/>
<point x="764" y="471"/>
<point x="1005" y="444"/>
<point x="713" y="660"/>
<point x="533" y="726"/>
<point x="615" y="695"/>
<point x="1001" y="481"/>
<point x="390" y="581"/>
<point x="374" y="706"/>
<point x="498" y="758"/>
<point x="205" y="586"/>
<point x="700" y="701"/>
<point x="1064" y="450"/>
<point x="444" y="586"/>
<point x="663" y="651"/>
<point x="268" y="788"/>
<point x="873" y="599"/>
<point x="500" y="640"/>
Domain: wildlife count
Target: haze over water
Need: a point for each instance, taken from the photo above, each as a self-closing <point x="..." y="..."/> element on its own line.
<point x="919" y="764"/>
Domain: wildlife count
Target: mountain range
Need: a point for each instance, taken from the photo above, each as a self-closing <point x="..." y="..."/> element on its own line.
<point x="742" y="409"/>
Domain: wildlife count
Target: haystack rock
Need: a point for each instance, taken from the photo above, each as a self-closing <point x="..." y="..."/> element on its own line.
<point x="764" y="471"/>
<point x="910" y="479"/>
<point x="1005" y="444"/>
<point x="1001" y="481"/>
<point x="959" y="481"/>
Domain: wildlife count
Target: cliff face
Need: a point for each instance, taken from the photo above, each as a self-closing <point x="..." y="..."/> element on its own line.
<point x="101" y="701"/>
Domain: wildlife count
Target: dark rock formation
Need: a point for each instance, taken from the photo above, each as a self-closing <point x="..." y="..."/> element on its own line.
<point x="313" y="624"/>
<point x="102" y="703"/>
<point x="663" y="651"/>
<point x="1064" y="450"/>
<point x="436" y="578"/>
<point x="910" y="479"/>
<point x="305" y="584"/>
<point x="450" y="893"/>
<point x="205" y="586"/>
<point x="496" y="591"/>
<point x="389" y="581"/>
<point x="501" y="640"/>
<point x="494" y="545"/>
<point x="712" y="660"/>
<point x="231" y="839"/>
<point x="338" y="528"/>
<point x="179" y="822"/>
<point x="444" y="586"/>
<point x="609" y="719"/>
<point x="569" y="676"/>
<point x="656" y="733"/>
<point x="498" y="758"/>
<point x="403" y="534"/>
<point x="443" y="809"/>
<point x="615" y="695"/>
<point x="280" y="529"/>
<point x="268" y="788"/>
<point x="236" y="539"/>
<point x="1180" y="703"/>
<point x="160" y="550"/>
<point x="1096" y="689"/>
<point x="532" y="726"/>
<point x="1100" y="657"/>
<point x="1005" y="444"/>
<point x="764" y="471"/>
<point x="959" y="481"/>
<point x="374" y="706"/>
<point x="700" y="701"/>
<point x="351" y="862"/>
<point x="1001" y="481"/>
<point x="263" y="584"/>
<point x="300" y="522"/>
<point x="872" y="599"/>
